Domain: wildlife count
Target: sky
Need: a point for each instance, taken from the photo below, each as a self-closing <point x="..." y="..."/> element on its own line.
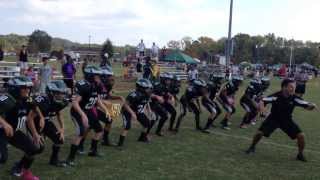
<point x="128" y="21"/>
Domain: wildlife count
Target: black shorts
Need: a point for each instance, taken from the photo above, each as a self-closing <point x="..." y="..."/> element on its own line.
<point x="287" y="126"/>
<point x="103" y="118"/>
<point x="209" y="105"/>
<point x="142" y="119"/>
<point x="3" y="147"/>
<point x="159" y="110"/>
<point x="228" y="107"/>
<point x="189" y="104"/>
<point x="93" y="122"/>
<point x="25" y="143"/>
<point x="301" y="88"/>
<point x="248" y="105"/>
<point x="51" y="131"/>
<point x="69" y="83"/>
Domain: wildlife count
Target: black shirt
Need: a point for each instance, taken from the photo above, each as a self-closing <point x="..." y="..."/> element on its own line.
<point x="137" y="101"/>
<point x="139" y="67"/>
<point x="23" y="56"/>
<point x="17" y="116"/>
<point x="1" y="54"/>
<point x="213" y="89"/>
<point x="49" y="108"/>
<point x="88" y="93"/>
<point x="282" y="107"/>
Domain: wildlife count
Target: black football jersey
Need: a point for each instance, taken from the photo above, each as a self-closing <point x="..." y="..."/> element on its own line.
<point x="231" y="89"/>
<point x="137" y="101"/>
<point x="104" y="92"/>
<point x="17" y="115"/>
<point x="7" y="102"/>
<point x="47" y="107"/>
<point x="88" y="93"/>
<point x="213" y="90"/>
<point x="161" y="90"/>
<point x="192" y="92"/>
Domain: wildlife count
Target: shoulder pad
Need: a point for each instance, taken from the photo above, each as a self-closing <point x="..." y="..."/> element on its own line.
<point x="82" y="87"/>
<point x="7" y="102"/>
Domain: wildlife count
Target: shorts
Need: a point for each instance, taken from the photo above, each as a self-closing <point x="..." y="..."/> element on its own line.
<point x="159" y="110"/>
<point x="301" y="88"/>
<point x="189" y="104"/>
<point x="142" y="119"/>
<point x="103" y="118"/>
<point x="3" y="147"/>
<point x="209" y="105"/>
<point x="23" y="65"/>
<point x="288" y="126"/>
<point x="247" y="105"/>
<point x="93" y="122"/>
<point x="228" y="107"/>
<point x="69" y="83"/>
<point x="25" y="143"/>
<point x="51" y="131"/>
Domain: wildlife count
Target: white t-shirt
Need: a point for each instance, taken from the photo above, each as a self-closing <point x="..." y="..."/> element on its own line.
<point x="141" y="47"/>
<point x="155" y="49"/>
<point x="193" y="74"/>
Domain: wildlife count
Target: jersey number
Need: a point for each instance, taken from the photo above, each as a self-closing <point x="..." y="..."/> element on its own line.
<point x="92" y="102"/>
<point x="21" y="123"/>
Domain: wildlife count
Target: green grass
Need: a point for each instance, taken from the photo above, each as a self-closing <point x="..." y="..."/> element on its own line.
<point x="193" y="155"/>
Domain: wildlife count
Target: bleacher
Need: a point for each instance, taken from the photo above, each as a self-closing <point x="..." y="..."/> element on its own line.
<point x="165" y="67"/>
<point x="11" y="69"/>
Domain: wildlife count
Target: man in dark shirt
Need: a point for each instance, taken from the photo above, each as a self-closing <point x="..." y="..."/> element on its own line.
<point x="147" y="69"/>
<point x="23" y="59"/>
<point x="283" y="104"/>
<point x="1" y="54"/>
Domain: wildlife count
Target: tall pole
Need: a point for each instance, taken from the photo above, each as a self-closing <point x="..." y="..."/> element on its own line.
<point x="229" y="35"/>
<point x="291" y="57"/>
<point x="89" y="42"/>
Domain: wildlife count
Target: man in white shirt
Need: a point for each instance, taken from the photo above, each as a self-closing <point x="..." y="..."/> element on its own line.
<point x="193" y="73"/>
<point x="141" y="47"/>
<point x="155" y="50"/>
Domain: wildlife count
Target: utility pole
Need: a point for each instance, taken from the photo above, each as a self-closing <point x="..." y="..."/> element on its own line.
<point x="89" y="42"/>
<point x="229" y="43"/>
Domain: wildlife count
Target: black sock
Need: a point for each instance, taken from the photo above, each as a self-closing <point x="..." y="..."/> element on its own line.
<point x="197" y="119"/>
<point x="26" y="162"/>
<point x="224" y="122"/>
<point x="209" y="122"/>
<point x="81" y="144"/>
<point x="94" y="145"/>
<point x="73" y="151"/>
<point x="55" y="152"/>
<point x="121" y="140"/>
<point x="106" y="136"/>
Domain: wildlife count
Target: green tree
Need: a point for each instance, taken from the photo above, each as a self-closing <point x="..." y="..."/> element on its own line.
<point x="39" y="41"/>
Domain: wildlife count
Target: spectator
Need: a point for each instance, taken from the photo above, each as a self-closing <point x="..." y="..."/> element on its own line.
<point x="154" y="50"/>
<point x="147" y="68"/>
<point x="45" y="75"/>
<point x="139" y="68"/>
<point x="155" y="71"/>
<point x="193" y="73"/>
<point x="84" y="64"/>
<point x="1" y="54"/>
<point x="23" y="59"/>
<point x="68" y="72"/>
<point x="141" y="47"/>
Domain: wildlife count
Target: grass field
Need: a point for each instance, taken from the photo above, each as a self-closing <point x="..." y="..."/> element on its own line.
<point x="193" y="155"/>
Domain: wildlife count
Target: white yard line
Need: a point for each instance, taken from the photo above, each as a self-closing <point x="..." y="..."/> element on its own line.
<point x="262" y="141"/>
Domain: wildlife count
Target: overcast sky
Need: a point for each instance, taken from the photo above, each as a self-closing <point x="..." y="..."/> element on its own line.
<point x="128" y="21"/>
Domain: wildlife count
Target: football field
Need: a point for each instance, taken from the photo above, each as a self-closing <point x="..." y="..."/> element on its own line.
<point x="190" y="154"/>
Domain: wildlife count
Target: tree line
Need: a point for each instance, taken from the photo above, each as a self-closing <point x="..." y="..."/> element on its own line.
<point x="268" y="49"/>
